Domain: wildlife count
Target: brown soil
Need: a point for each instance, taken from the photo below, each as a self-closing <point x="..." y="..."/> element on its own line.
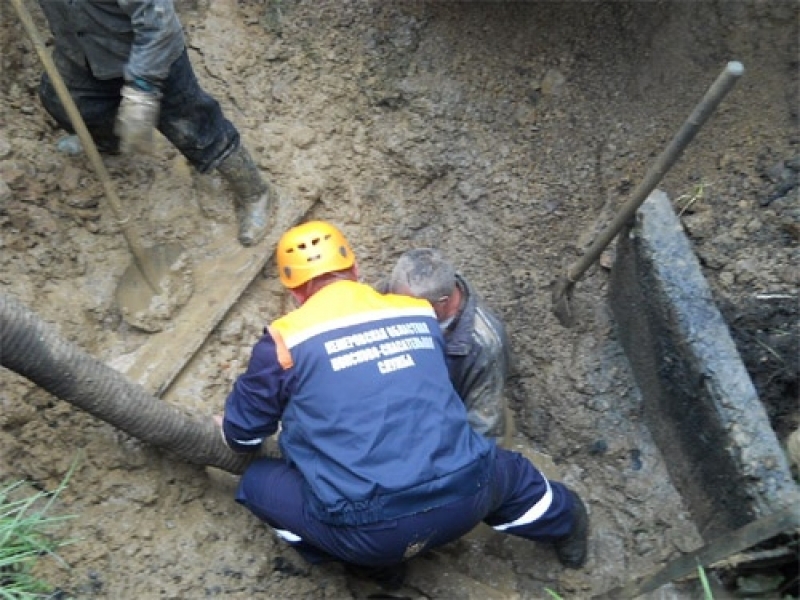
<point x="504" y="133"/>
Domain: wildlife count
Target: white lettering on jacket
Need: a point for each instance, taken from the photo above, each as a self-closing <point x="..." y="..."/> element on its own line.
<point x="395" y="364"/>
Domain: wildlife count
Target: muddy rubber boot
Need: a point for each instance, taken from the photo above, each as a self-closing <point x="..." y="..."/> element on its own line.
<point x="254" y="196"/>
<point x="71" y="145"/>
<point x="573" y="548"/>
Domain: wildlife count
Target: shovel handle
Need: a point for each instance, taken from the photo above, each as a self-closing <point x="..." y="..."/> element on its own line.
<point x="88" y="143"/>
<point x="723" y="84"/>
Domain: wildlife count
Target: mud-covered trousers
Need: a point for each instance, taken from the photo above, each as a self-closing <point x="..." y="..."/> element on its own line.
<point x="519" y="500"/>
<point x="189" y="118"/>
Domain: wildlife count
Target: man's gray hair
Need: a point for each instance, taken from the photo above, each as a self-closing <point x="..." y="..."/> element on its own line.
<point x="423" y="273"/>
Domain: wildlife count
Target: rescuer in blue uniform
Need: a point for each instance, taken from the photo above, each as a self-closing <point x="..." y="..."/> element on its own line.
<point x="379" y="460"/>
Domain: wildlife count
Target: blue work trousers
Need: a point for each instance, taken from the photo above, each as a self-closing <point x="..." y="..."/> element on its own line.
<point x="519" y="500"/>
<point x="189" y="118"/>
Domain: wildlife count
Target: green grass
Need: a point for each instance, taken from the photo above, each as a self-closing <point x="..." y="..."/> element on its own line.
<point x="687" y="200"/>
<point x="707" y="594"/>
<point x="24" y="528"/>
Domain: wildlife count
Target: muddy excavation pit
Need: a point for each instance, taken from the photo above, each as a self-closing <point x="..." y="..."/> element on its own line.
<point x="505" y="134"/>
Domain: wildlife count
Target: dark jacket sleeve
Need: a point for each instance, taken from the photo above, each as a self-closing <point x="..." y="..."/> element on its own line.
<point x="484" y="397"/>
<point x="157" y="39"/>
<point x="255" y="405"/>
<point x="480" y="375"/>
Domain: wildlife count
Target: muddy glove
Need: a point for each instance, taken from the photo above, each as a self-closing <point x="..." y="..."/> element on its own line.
<point x="137" y="118"/>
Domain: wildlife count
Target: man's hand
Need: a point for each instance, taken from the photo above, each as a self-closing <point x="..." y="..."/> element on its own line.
<point x="218" y="419"/>
<point x="136" y="119"/>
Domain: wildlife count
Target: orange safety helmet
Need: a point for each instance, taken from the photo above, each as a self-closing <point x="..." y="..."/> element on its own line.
<point x="310" y="250"/>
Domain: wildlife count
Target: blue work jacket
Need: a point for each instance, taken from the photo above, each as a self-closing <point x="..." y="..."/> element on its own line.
<point x="358" y="382"/>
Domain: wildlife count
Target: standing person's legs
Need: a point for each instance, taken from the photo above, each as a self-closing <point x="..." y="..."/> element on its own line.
<point x="97" y="101"/>
<point x="192" y="120"/>
<point x="528" y="505"/>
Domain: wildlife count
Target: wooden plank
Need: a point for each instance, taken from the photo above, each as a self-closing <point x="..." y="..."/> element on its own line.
<point x="219" y="281"/>
<point x="783" y="521"/>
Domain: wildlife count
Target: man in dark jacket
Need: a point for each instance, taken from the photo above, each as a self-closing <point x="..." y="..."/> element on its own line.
<point x="379" y="461"/>
<point x="476" y="343"/>
<point x="127" y="69"/>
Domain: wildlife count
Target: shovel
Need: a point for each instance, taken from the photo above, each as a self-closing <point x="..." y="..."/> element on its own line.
<point x="562" y="291"/>
<point x="158" y="281"/>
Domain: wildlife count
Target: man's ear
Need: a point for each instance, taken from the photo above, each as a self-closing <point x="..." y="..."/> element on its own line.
<point x="355" y="270"/>
<point x="298" y="296"/>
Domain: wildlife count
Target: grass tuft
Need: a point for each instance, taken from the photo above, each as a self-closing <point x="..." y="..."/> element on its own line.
<point x="24" y="528"/>
<point x="707" y="594"/>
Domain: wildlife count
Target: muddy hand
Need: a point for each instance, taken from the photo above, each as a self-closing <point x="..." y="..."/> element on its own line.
<point x="136" y="119"/>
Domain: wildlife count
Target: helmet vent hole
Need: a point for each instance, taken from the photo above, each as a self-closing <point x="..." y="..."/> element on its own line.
<point x="310" y="250"/>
